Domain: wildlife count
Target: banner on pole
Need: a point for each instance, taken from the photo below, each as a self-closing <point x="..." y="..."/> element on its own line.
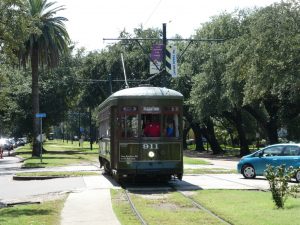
<point x="171" y="60"/>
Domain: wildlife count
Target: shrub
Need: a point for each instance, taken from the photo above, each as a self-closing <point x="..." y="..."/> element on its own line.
<point x="278" y="178"/>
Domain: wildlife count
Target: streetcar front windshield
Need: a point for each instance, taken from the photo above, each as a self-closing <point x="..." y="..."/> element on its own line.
<point x="154" y="121"/>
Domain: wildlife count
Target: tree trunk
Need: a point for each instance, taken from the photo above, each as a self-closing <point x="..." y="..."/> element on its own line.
<point x="270" y="123"/>
<point x="35" y="99"/>
<point x="244" y="148"/>
<point x="236" y="119"/>
<point x="198" y="137"/>
<point x="209" y="133"/>
<point x="184" y="134"/>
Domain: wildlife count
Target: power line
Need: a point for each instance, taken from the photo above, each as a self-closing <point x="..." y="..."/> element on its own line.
<point x="153" y="11"/>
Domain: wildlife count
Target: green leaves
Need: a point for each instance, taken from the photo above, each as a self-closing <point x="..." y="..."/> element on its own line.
<point x="278" y="178"/>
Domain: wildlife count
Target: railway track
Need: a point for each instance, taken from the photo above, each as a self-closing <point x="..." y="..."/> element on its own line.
<point x="129" y="190"/>
<point x="134" y="209"/>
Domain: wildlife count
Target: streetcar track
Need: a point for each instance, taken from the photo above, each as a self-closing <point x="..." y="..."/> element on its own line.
<point x="168" y="187"/>
<point x="200" y="206"/>
<point x="173" y="187"/>
<point x="133" y="208"/>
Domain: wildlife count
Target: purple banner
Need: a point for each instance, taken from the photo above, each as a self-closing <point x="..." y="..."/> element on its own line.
<point x="157" y="52"/>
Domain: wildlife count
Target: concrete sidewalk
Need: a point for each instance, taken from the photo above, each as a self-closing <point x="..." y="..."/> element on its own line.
<point x="91" y="206"/>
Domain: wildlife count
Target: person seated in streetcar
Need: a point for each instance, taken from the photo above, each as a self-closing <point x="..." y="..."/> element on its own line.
<point x="152" y="128"/>
<point x="170" y="130"/>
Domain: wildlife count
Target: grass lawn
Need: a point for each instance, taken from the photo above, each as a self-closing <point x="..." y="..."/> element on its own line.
<point x="189" y="160"/>
<point x="59" y="153"/>
<point x="249" y="207"/>
<point x="242" y="207"/>
<point x="46" y="213"/>
<point x="122" y="208"/>
<point x="208" y="171"/>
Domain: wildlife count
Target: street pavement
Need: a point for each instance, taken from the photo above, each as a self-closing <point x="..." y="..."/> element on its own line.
<point x="89" y="203"/>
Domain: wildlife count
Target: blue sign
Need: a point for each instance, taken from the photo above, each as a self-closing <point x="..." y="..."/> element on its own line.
<point x="40" y="115"/>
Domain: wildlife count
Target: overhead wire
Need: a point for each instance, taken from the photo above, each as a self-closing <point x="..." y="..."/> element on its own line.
<point x="153" y="11"/>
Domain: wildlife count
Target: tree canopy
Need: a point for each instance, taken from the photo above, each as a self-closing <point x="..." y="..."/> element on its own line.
<point x="239" y="90"/>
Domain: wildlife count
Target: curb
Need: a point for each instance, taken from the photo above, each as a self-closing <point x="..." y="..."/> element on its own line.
<point x="36" y="178"/>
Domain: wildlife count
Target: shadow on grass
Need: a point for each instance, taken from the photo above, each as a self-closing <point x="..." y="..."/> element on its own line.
<point x="70" y="152"/>
<point x="16" y="212"/>
<point x="24" y="153"/>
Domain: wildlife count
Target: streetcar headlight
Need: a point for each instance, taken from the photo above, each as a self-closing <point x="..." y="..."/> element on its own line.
<point x="151" y="154"/>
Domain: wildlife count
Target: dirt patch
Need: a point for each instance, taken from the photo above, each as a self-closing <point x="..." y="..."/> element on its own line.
<point x="153" y="196"/>
<point x="168" y="206"/>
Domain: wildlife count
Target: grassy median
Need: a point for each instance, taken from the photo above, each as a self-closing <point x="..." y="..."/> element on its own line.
<point x="59" y="153"/>
<point x="239" y="207"/>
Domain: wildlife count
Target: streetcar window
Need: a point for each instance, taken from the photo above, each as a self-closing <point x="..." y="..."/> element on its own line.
<point x="171" y="122"/>
<point x="150" y="125"/>
<point x="104" y="128"/>
<point x="129" y="121"/>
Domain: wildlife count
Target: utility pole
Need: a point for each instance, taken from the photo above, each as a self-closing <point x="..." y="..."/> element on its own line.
<point x="91" y="141"/>
<point x="164" y="40"/>
<point x="164" y="44"/>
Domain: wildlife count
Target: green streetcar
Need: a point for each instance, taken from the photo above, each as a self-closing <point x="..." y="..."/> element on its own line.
<point x="140" y="133"/>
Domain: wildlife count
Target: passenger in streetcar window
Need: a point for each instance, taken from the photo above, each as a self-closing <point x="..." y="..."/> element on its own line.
<point x="152" y="128"/>
<point x="170" y="130"/>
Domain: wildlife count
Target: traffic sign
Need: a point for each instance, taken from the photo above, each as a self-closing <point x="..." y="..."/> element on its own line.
<point x="155" y="68"/>
<point x="40" y="115"/>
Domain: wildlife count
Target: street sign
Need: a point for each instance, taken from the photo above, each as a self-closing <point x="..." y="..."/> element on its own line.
<point x="155" y="68"/>
<point x="171" y="60"/>
<point x="40" y="115"/>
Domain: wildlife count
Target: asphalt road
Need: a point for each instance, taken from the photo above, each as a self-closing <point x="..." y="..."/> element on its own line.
<point x="14" y="191"/>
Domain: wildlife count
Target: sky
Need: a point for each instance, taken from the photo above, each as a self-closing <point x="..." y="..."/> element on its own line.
<point x="90" y="21"/>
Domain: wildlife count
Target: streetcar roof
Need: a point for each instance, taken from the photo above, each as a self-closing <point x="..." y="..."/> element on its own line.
<point x="144" y="92"/>
<point x="147" y="91"/>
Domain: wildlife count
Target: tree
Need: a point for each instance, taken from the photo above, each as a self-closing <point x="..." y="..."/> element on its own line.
<point x="213" y="94"/>
<point x="44" y="46"/>
<point x="267" y="60"/>
<point x="15" y="26"/>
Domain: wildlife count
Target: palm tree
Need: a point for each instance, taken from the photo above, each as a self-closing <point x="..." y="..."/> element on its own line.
<point x="44" y="46"/>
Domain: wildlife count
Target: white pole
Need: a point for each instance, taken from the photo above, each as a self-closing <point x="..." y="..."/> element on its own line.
<point x="125" y="77"/>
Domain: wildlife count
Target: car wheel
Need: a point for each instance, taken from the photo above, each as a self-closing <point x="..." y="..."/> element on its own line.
<point x="298" y="176"/>
<point x="248" y="172"/>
